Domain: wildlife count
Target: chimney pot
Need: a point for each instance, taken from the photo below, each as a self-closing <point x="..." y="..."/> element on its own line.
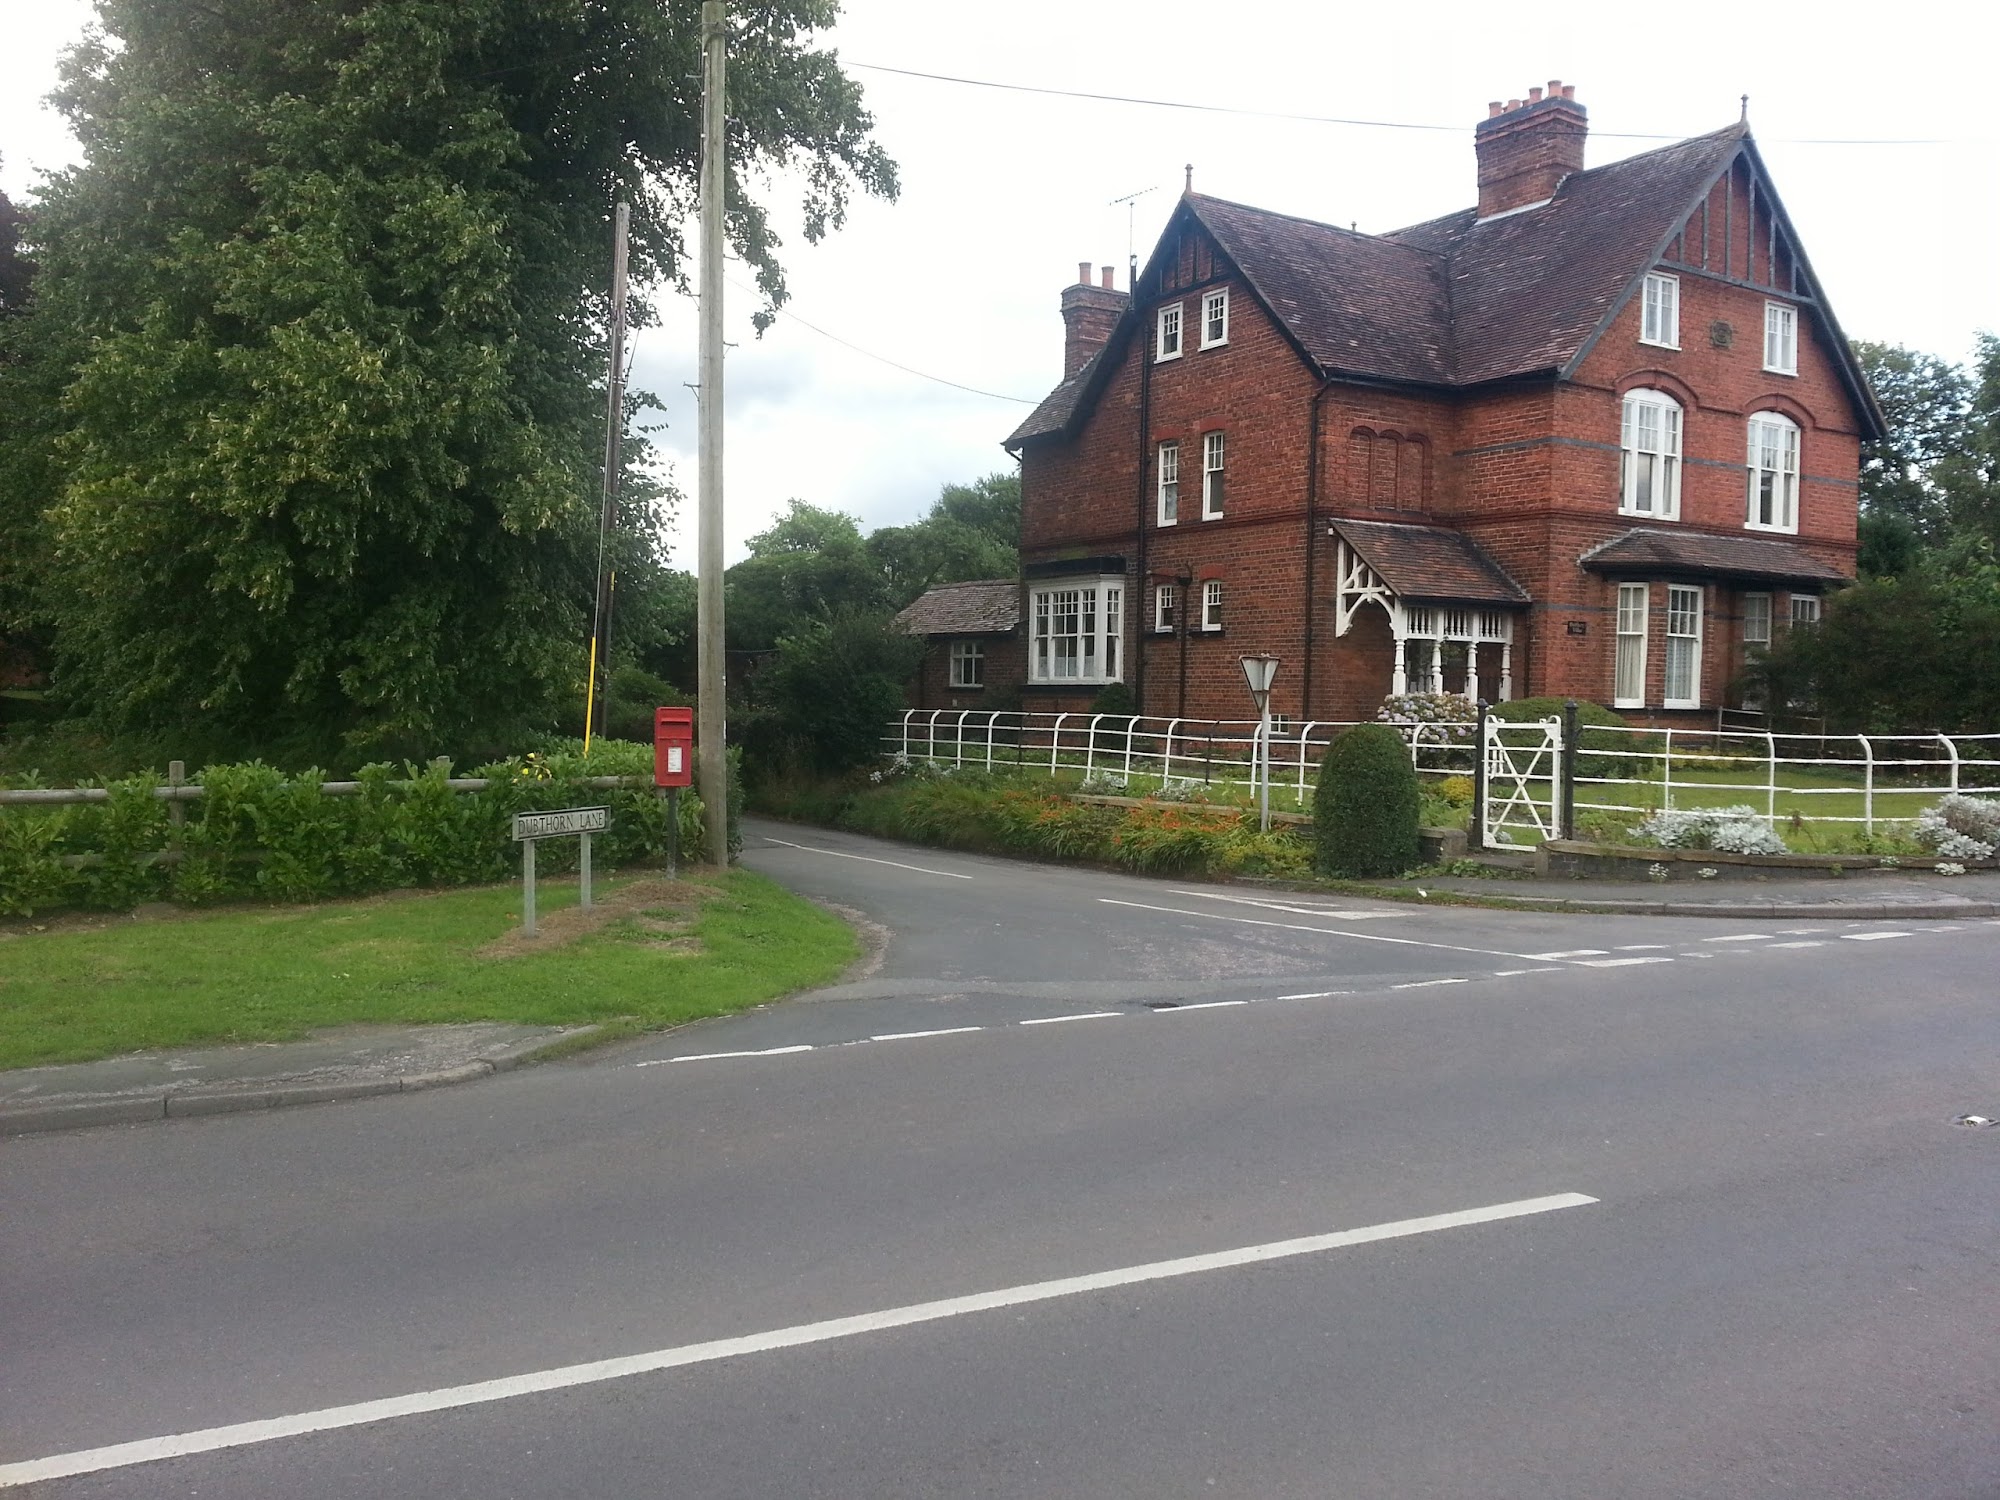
<point x="1083" y="273"/>
<point x="1569" y="91"/>
<point x="1495" y="107"/>
<point x="1512" y="105"/>
<point x="1555" y="88"/>
<point x="1534" y="96"/>
<point x="1108" y="285"/>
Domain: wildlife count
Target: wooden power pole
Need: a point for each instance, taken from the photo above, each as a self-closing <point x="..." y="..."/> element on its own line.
<point x="712" y="719"/>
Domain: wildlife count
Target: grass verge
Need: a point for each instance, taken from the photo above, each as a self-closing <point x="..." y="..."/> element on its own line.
<point x="652" y="954"/>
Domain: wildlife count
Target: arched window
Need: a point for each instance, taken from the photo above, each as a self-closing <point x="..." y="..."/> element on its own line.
<point x="1649" y="480"/>
<point x="1774" y="473"/>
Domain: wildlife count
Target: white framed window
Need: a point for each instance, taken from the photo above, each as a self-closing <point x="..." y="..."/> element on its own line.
<point x="1211" y="604"/>
<point x="1781" y="338"/>
<point x="1167" y="345"/>
<point x="1170" y="483"/>
<point x="1628" y="688"/>
<point x="1756" y="620"/>
<point x="1774" y="473"/>
<point x="1215" y="318"/>
<point x="1805" y="610"/>
<point x="968" y="664"/>
<point x="1660" y="316"/>
<point x="1683" y="685"/>
<point x="1077" y="625"/>
<point x="1649" y="456"/>
<point x="1211" y="476"/>
<point x="1166" y="599"/>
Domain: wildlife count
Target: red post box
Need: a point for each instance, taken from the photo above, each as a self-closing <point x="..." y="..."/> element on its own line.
<point x="673" y="747"/>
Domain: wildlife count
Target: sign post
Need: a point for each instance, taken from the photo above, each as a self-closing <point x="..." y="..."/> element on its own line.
<point x="577" y="822"/>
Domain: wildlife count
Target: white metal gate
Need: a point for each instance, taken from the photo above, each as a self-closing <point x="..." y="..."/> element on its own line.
<point x="1521" y="782"/>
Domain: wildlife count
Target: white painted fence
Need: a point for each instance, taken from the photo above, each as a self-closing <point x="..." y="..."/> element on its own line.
<point x="1206" y="752"/>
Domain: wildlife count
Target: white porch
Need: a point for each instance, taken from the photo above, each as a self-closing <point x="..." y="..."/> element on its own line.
<point x="1427" y="635"/>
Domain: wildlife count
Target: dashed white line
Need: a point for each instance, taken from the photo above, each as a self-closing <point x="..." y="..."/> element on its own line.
<point x="1741" y="937"/>
<point x="910" y="1036"/>
<point x="1640" y="947"/>
<point x="867" y="859"/>
<point x="1622" y="963"/>
<point x="1571" y="953"/>
<point x="1512" y="973"/>
<point x="1803" y="943"/>
<point x="596" y="1372"/>
<point x="1094" y="1015"/>
<point x="1330" y="913"/>
<point x="1424" y="984"/>
<point x="1314" y="995"/>
<point x="1873" y="937"/>
<point x="1203" y="1005"/>
<point x="1799" y="931"/>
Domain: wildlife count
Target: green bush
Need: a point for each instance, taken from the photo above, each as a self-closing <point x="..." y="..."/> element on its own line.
<point x="1365" y="805"/>
<point x="1602" y="764"/>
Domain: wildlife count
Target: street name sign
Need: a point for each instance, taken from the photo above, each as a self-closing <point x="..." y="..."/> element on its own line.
<point x="566" y="822"/>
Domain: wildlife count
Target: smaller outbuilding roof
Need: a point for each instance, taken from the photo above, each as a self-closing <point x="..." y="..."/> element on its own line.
<point x="1645" y="549"/>
<point x="1429" y="562"/>
<point x="983" y="606"/>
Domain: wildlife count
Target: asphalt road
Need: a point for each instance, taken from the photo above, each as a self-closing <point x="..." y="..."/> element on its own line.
<point x="1739" y="1247"/>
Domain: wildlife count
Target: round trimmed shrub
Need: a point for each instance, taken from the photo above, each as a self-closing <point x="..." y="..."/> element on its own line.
<point x="1365" y="805"/>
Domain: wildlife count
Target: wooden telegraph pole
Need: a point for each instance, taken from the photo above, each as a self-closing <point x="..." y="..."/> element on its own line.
<point x="595" y="705"/>
<point x="712" y="684"/>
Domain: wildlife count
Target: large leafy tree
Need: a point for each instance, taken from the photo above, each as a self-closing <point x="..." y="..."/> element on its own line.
<point x="971" y="531"/>
<point x="317" y="320"/>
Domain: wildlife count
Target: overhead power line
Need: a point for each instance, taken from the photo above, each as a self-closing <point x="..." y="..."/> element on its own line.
<point x="787" y="312"/>
<point x="1278" y="114"/>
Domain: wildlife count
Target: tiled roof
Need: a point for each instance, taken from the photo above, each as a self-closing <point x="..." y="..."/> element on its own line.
<point x="1358" y="303"/>
<point x="1452" y="301"/>
<point x="985" y="606"/>
<point x="1644" y="549"/>
<point x="1529" y="289"/>
<point x="1429" y="562"/>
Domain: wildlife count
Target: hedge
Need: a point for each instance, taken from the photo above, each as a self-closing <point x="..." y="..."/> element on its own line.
<point x="259" y="833"/>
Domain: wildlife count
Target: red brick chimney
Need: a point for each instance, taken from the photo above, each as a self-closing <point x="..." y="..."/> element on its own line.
<point x="1527" y="146"/>
<point x="1089" y="313"/>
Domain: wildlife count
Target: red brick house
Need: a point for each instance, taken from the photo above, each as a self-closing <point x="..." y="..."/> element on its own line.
<point x="1597" y="436"/>
<point x="972" y="645"/>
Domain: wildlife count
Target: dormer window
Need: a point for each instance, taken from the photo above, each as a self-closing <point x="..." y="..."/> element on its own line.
<point x="1660" y="318"/>
<point x="1215" y="318"/>
<point x="1168" y="343"/>
<point x="1649" y="482"/>
<point x="1781" y="339"/>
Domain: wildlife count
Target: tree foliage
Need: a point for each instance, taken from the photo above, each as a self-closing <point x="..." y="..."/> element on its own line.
<point x="835" y="682"/>
<point x="314" y="365"/>
<point x="812" y="562"/>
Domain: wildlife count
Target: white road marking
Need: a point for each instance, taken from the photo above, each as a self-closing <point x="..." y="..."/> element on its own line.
<point x="1741" y="937"/>
<point x="1622" y="963"/>
<point x="717" y="1056"/>
<point x="909" y="1036"/>
<point x="1202" y="1005"/>
<point x="1512" y="973"/>
<point x="1571" y="953"/>
<point x="1424" y="984"/>
<point x="1364" y="937"/>
<point x="1640" y="947"/>
<point x="1806" y="943"/>
<point x="867" y="859"/>
<point x="1799" y="931"/>
<point x="1873" y="937"/>
<point x="1332" y="913"/>
<point x="1094" y="1015"/>
<point x="596" y="1372"/>
<point x="1315" y="995"/>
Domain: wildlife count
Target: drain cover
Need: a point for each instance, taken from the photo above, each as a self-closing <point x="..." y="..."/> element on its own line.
<point x="1975" y="1120"/>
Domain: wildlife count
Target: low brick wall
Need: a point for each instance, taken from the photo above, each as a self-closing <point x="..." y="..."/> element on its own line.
<point x="1570" y="859"/>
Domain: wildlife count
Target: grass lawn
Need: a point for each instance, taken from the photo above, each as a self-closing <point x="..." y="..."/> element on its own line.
<point x="653" y="953"/>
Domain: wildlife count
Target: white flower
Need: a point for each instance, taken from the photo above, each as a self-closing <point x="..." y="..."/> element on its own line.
<point x="1706" y="872"/>
<point x="1657" y="872"/>
<point x="1950" y="867"/>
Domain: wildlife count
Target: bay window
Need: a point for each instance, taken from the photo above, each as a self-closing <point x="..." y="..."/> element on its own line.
<point x="1077" y="625"/>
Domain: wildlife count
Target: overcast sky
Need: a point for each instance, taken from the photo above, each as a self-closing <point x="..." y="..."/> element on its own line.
<point x="1004" y="191"/>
